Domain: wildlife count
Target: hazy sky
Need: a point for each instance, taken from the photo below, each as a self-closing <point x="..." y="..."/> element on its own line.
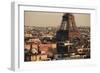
<point x="52" y="19"/>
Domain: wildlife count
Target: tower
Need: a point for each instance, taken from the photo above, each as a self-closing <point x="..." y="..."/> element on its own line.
<point x="68" y="29"/>
<point x="67" y="32"/>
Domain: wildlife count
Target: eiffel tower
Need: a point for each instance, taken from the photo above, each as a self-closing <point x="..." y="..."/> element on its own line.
<point x="68" y="29"/>
<point x="67" y="32"/>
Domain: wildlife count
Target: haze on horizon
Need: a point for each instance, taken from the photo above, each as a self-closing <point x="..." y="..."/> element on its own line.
<point x="45" y="19"/>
